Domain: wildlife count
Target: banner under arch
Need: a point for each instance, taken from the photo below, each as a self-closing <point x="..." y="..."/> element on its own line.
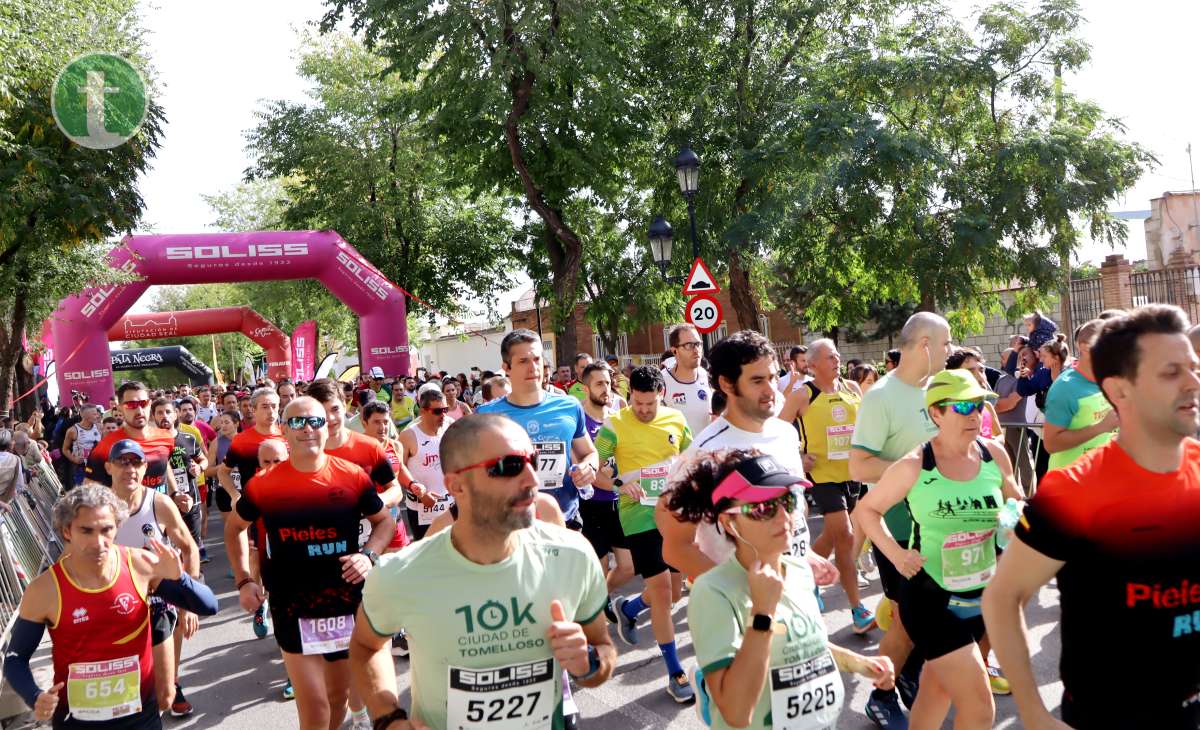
<point x="172" y="356"/>
<point x="189" y="322"/>
<point x="80" y="325"/>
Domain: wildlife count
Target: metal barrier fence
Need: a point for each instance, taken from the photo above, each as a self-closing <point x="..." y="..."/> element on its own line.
<point x="28" y="544"/>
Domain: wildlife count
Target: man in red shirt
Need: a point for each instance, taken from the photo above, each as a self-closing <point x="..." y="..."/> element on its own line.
<point x="157" y="444"/>
<point x="1118" y="528"/>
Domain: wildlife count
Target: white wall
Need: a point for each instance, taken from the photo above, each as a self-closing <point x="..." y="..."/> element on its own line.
<point x="455" y="356"/>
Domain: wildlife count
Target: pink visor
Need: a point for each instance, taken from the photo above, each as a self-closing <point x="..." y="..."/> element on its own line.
<point x="757" y="480"/>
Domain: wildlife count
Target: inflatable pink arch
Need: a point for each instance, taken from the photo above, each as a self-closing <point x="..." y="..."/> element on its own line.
<point x="160" y="325"/>
<point x="80" y="325"/>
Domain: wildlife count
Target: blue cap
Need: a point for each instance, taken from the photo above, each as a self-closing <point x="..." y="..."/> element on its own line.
<point x="125" y="447"/>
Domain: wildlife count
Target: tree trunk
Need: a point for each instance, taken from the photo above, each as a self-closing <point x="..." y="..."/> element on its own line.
<point x="23" y="383"/>
<point x="741" y="294"/>
<point x="927" y="304"/>
<point x="10" y="349"/>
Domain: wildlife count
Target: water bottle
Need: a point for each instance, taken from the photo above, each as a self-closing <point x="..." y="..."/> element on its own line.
<point x="1009" y="515"/>
<point x="584" y="492"/>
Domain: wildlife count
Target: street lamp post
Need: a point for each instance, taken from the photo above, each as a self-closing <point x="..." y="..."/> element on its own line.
<point x="687" y="168"/>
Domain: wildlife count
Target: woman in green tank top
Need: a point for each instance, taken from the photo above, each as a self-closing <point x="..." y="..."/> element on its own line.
<point x="954" y="488"/>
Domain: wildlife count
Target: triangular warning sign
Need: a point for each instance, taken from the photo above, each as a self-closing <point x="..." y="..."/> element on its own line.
<point x="700" y="280"/>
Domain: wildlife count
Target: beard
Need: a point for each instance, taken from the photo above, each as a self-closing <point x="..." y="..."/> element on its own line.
<point x="499" y="513"/>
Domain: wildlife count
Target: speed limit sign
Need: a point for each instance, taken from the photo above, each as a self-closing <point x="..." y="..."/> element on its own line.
<point x="704" y="311"/>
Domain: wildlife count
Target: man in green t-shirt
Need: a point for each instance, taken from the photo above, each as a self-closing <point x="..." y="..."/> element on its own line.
<point x="576" y="386"/>
<point x="1078" y="416"/>
<point x="892" y="421"/>
<point x="641" y="442"/>
<point x="505" y="603"/>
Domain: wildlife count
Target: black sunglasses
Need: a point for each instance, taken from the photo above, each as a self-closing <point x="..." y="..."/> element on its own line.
<point x="505" y="467"/>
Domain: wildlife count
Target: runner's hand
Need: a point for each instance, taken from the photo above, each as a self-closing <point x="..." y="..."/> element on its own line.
<point x="194" y="469"/>
<point x="47" y="702"/>
<point x="355" y="568"/>
<point x="880" y="671"/>
<point x="183" y="501"/>
<point x="766" y="588"/>
<point x="825" y="573"/>
<point x="911" y="563"/>
<point x="633" y="490"/>
<point x="567" y="641"/>
<point x="809" y="461"/>
<point x="583" y="474"/>
<point x="167" y="563"/>
<point x="250" y="597"/>
<point x="428" y="499"/>
<point x="190" y="622"/>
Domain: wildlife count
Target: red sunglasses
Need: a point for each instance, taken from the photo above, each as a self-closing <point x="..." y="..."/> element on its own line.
<point x="505" y="467"/>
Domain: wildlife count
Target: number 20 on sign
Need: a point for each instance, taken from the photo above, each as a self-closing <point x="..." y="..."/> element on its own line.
<point x="704" y="311"/>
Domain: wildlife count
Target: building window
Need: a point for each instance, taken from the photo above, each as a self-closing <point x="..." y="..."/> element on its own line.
<point x="764" y="325"/>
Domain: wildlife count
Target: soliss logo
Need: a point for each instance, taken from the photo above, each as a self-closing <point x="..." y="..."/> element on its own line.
<point x="400" y="349"/>
<point x="252" y="251"/>
<point x="86" y="375"/>
<point x="101" y="296"/>
<point x="362" y="273"/>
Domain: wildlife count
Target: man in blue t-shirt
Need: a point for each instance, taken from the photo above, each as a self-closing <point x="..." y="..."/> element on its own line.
<point x="555" y="424"/>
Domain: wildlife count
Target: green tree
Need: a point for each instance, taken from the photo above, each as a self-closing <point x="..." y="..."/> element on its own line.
<point x="355" y="161"/>
<point x="538" y="98"/>
<point x="58" y="201"/>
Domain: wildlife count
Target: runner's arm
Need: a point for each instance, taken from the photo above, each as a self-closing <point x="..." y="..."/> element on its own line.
<point x="795" y="405"/>
<point x="1009" y="487"/>
<point x="225" y="479"/>
<point x="68" y="442"/>
<point x="584" y="456"/>
<point x="1057" y="438"/>
<point x="236" y="545"/>
<point x="372" y="669"/>
<point x="547" y="510"/>
<point x="383" y="527"/>
<point x="212" y="471"/>
<point x="596" y="632"/>
<point x="890" y="490"/>
<point x="177" y="532"/>
<point x="1021" y="573"/>
<point x="34" y="614"/>
<point x="680" y="549"/>
<point x="865" y="466"/>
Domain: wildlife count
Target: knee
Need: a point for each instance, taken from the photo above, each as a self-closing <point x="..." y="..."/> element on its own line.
<point x="979" y="711"/>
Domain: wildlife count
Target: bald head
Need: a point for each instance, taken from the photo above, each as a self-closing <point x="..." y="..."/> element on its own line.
<point x="1087" y="334"/>
<point x="460" y="445"/>
<point x="303" y="406"/>
<point x="272" y="451"/>
<point x="921" y="326"/>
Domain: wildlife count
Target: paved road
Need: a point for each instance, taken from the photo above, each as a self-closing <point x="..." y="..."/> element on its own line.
<point x="234" y="680"/>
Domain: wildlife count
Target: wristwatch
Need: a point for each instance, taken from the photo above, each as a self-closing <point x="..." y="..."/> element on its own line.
<point x="762" y="622"/>
<point x="371" y="555"/>
<point x="593" y="663"/>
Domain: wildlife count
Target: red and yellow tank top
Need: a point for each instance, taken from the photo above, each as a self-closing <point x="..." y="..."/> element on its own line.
<point x="102" y="646"/>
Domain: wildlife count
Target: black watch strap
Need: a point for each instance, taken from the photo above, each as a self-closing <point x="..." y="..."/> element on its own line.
<point x="762" y="622"/>
<point x="381" y="723"/>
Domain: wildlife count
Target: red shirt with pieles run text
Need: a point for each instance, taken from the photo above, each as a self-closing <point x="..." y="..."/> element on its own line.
<point x="1130" y="586"/>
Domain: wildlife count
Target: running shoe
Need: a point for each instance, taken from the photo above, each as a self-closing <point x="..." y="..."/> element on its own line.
<point x="289" y="693"/>
<point x="400" y="645"/>
<point x="864" y="620"/>
<point x="884" y="710"/>
<point x="908" y="682"/>
<point x="610" y="613"/>
<point x="360" y="720"/>
<point x="181" y="707"/>
<point x="680" y="688"/>
<point x="863" y="580"/>
<point x="997" y="681"/>
<point x="262" y="624"/>
<point x="704" y="703"/>
<point x="204" y="555"/>
<point x="626" y="629"/>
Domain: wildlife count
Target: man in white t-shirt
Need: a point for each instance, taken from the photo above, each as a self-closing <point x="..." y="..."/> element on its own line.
<point x="798" y="373"/>
<point x="744" y="367"/>
<point x="687" y="386"/>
